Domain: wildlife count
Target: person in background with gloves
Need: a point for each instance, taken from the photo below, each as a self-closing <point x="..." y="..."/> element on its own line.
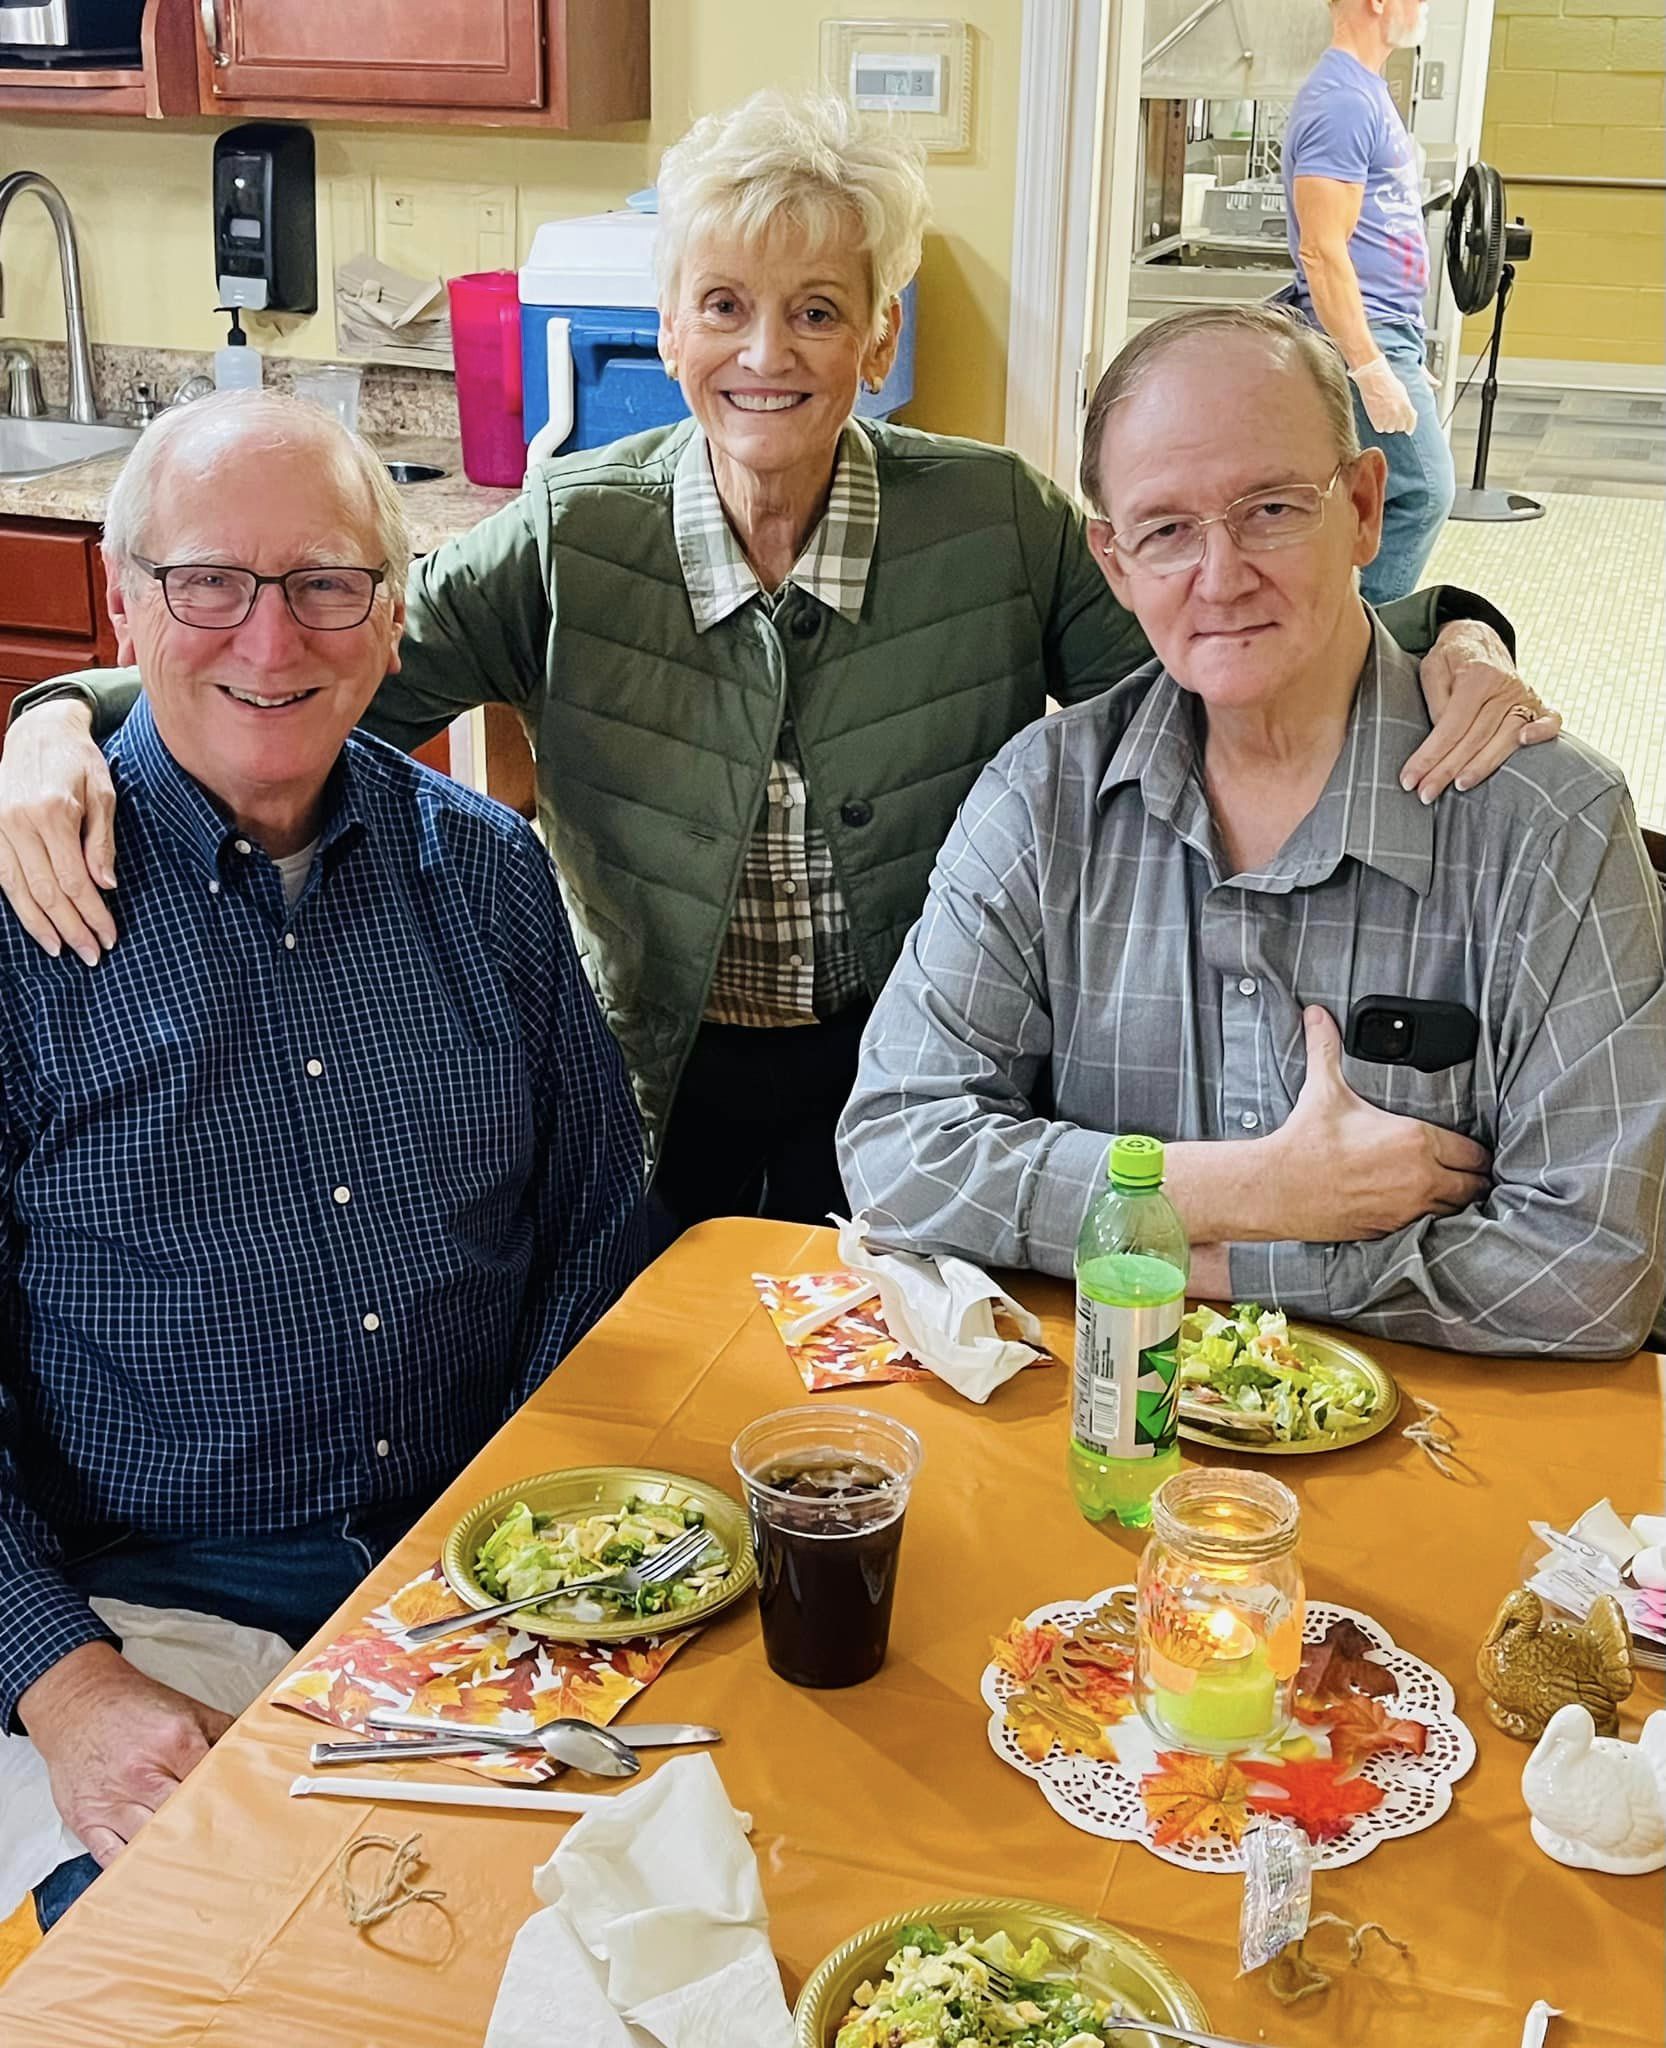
<point x="1362" y="268"/>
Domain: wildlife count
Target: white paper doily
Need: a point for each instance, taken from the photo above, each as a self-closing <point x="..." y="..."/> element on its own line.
<point x="1103" y="1798"/>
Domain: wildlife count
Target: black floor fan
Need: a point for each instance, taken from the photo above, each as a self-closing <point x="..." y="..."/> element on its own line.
<point x="1482" y="251"/>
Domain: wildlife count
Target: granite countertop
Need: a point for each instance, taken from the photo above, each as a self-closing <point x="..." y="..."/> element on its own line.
<point x="434" y="511"/>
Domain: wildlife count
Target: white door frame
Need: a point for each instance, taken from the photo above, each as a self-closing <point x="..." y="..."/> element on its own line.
<point x="1054" y="228"/>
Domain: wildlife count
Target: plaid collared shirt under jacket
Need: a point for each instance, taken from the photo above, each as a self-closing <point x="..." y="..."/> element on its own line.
<point x="788" y="956"/>
<point x="1085" y="966"/>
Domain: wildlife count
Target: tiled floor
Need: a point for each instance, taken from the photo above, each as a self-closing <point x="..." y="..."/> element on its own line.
<point x="1586" y="589"/>
<point x="1603" y="444"/>
<point x="1585" y="585"/>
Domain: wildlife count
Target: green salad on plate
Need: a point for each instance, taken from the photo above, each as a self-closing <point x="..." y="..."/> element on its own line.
<point x="936" y="1993"/>
<point x="530" y="1553"/>
<point x="1245" y="1371"/>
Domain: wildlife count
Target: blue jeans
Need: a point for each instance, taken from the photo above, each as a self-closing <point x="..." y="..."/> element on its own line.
<point x="1420" y="480"/>
<point x="290" y="1583"/>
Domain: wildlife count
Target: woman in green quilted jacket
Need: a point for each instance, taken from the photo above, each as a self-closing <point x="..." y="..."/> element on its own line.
<point x="760" y="657"/>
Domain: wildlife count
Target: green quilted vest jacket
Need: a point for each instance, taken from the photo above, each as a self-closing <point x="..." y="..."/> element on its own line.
<point x="653" y="742"/>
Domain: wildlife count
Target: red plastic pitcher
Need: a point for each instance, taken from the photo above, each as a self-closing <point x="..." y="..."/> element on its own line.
<point x="486" y="348"/>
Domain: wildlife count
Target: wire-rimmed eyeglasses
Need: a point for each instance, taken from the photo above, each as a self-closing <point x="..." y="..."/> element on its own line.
<point x="1276" y="518"/>
<point x="219" y="596"/>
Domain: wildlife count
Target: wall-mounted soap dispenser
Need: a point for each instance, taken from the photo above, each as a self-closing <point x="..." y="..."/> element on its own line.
<point x="265" y="238"/>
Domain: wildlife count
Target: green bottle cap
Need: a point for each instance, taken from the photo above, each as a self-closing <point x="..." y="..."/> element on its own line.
<point x="1136" y="1162"/>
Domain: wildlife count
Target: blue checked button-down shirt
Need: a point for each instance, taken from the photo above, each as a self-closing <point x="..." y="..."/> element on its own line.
<point x="1084" y="967"/>
<point x="297" y="1204"/>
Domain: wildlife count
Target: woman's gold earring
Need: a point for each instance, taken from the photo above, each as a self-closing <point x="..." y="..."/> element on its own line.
<point x="671" y="371"/>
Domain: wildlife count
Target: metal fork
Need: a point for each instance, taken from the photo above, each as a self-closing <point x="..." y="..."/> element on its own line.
<point x="679" y="1556"/>
<point x="1005" y="1989"/>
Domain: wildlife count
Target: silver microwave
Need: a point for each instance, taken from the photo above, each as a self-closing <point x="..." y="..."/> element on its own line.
<point x="70" y="32"/>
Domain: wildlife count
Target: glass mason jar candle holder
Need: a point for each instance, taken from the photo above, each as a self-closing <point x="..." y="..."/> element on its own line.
<point x="1220" y="1610"/>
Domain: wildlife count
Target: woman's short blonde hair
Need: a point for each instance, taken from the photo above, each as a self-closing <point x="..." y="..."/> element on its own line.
<point x="807" y="158"/>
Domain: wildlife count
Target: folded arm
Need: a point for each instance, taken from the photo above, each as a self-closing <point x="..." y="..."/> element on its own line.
<point x="943" y="1139"/>
<point x="1565" y="1254"/>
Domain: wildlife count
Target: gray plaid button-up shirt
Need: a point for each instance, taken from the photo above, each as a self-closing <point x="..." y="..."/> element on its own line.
<point x="1084" y="967"/>
<point x="788" y="956"/>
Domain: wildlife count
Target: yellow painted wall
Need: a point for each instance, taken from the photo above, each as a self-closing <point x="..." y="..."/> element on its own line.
<point x="140" y="195"/>
<point x="1576" y="87"/>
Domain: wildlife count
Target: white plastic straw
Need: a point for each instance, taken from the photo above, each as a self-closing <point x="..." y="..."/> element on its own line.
<point x="425" y="1792"/>
<point x="818" y="1318"/>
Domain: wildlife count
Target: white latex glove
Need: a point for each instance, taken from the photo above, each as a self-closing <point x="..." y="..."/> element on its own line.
<point x="1388" y="404"/>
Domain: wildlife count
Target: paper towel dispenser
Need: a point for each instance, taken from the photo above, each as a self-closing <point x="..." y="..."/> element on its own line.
<point x="265" y="227"/>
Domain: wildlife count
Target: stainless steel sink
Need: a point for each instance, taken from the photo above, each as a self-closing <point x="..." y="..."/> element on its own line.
<point x="30" y="448"/>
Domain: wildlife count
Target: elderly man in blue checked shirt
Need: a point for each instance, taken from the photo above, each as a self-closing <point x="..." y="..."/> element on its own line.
<point x="1156" y="908"/>
<point x="328" y="1164"/>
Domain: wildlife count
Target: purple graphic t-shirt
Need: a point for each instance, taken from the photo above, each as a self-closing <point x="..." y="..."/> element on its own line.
<point x="1345" y="126"/>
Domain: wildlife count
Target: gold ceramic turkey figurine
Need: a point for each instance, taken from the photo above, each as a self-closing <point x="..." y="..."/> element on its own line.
<point x="1531" y="1665"/>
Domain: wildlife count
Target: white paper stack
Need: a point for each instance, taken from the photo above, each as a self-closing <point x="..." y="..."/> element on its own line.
<point x="390" y="318"/>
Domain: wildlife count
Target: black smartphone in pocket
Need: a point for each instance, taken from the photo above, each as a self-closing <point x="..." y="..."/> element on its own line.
<point x="1406" y="1031"/>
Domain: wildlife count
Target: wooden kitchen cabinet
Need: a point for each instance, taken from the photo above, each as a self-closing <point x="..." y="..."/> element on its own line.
<point x="453" y="53"/>
<point x="52" y="614"/>
<point x="549" y="63"/>
<point x="164" y="83"/>
<point x="423" y="63"/>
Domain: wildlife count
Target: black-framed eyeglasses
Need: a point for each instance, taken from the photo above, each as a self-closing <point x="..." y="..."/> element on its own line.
<point x="1278" y="518"/>
<point x="218" y="596"/>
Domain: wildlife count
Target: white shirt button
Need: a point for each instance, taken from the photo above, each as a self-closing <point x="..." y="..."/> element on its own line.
<point x="315" y="1068"/>
<point x="242" y="846"/>
<point x="213" y="888"/>
<point x="372" y="1321"/>
<point x="382" y="1447"/>
<point x="289" y="940"/>
<point x="1249" y="1120"/>
<point x="795" y="959"/>
<point x="344" y="1196"/>
<point x="1246" y="987"/>
<point x="789" y="888"/>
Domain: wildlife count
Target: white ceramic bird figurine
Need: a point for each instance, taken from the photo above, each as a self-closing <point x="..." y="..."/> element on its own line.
<point x="1598" y="1803"/>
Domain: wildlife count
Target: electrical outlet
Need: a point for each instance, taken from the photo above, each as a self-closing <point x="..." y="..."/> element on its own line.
<point x="399" y="209"/>
<point x="1434" y="81"/>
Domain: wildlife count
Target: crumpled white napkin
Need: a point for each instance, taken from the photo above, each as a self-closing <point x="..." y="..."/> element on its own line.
<point x="653" y="1932"/>
<point x="218" y="1662"/>
<point x="942" y="1312"/>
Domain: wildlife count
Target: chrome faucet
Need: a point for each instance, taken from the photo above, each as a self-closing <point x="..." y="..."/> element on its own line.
<point x="81" y="406"/>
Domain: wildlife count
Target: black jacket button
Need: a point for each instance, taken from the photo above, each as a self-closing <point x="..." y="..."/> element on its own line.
<point x="804" y="625"/>
<point x="857" y="812"/>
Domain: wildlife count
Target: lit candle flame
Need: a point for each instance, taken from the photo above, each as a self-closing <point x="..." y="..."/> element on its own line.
<point x="1230" y="1635"/>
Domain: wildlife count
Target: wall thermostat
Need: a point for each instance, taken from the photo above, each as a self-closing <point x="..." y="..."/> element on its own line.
<point x="918" y="72"/>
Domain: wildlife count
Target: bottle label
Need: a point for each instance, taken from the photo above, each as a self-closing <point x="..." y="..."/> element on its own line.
<point x="1127" y="1395"/>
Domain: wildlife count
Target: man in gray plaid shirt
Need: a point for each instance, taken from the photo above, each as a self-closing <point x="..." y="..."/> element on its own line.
<point x="1156" y="908"/>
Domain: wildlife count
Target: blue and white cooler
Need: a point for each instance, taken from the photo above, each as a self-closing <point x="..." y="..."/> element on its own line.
<point x="590" y="338"/>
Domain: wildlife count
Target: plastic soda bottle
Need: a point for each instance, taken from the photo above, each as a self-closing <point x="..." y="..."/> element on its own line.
<point x="1131" y="1264"/>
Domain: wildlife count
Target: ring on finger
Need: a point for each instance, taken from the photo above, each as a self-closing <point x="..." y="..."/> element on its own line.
<point x="1527" y="713"/>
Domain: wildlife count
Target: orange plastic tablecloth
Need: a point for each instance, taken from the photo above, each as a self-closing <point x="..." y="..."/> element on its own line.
<point x="224" y="1925"/>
